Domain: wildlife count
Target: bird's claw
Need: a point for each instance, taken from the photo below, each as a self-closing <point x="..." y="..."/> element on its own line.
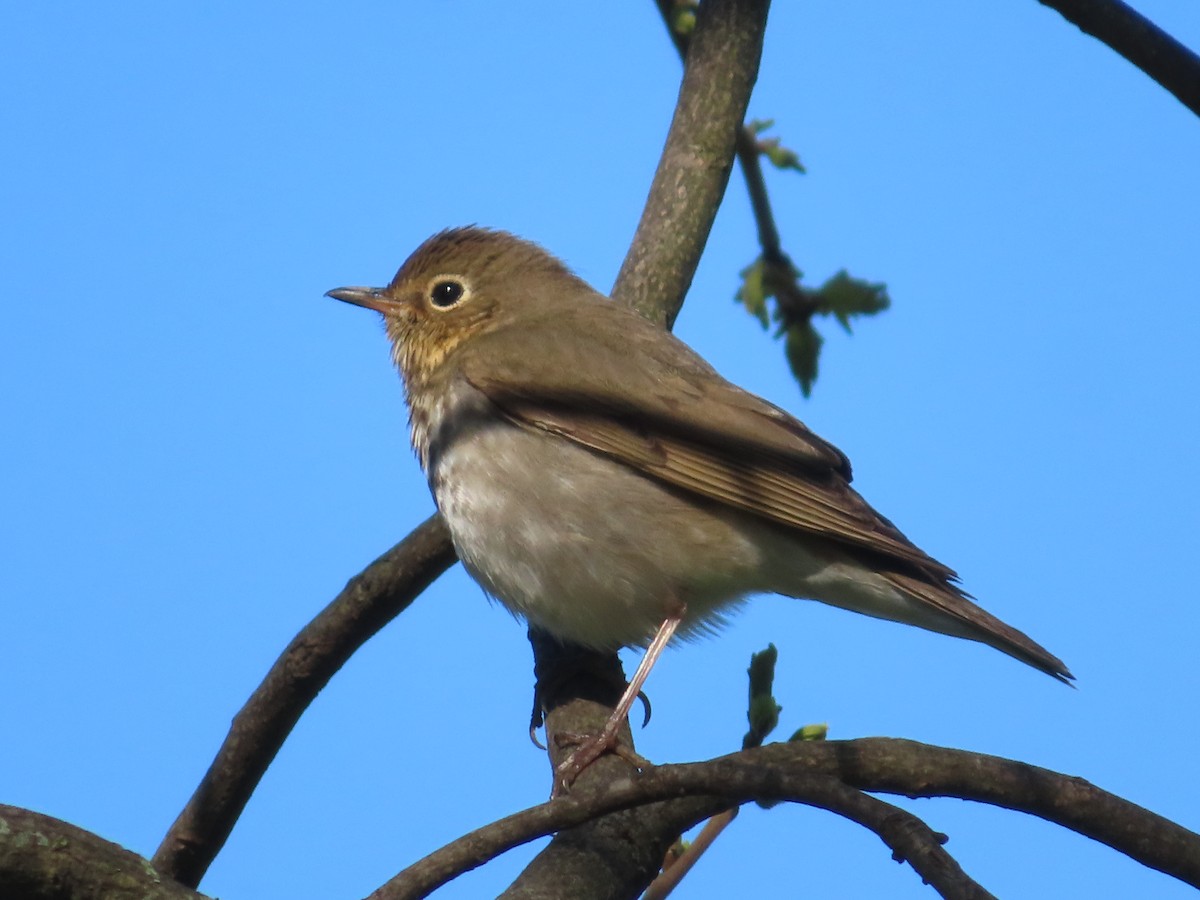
<point x="588" y="749"/>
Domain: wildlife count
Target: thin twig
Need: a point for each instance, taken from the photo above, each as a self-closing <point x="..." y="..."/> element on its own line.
<point x="795" y="304"/>
<point x="756" y="187"/>
<point x="662" y="886"/>
<point x="369" y="601"/>
<point x="911" y="841"/>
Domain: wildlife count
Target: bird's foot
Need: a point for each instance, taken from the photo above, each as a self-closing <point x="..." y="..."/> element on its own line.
<point x="595" y="746"/>
<point x="588" y="749"/>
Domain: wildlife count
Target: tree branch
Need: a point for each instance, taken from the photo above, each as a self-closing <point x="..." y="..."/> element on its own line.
<point x="42" y="858"/>
<point x="918" y="770"/>
<point x="681" y="861"/>
<point x="828" y="774"/>
<point x="908" y="837"/>
<point x="1140" y="41"/>
<point x="685" y="194"/>
<point x="369" y="601"/>
<point x="756" y="188"/>
<point x="795" y="303"/>
<point x="746" y="148"/>
<point x="719" y="74"/>
<point x="594" y="860"/>
<point x="683" y="200"/>
<point x="617" y="854"/>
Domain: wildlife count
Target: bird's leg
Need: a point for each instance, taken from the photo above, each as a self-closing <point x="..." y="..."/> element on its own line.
<point x="596" y="745"/>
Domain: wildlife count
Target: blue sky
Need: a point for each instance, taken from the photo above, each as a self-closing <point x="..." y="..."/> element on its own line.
<point x="199" y="449"/>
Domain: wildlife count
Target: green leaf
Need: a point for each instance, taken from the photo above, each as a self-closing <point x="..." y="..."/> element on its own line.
<point x="753" y="292"/>
<point x="844" y="297"/>
<point x="811" y="733"/>
<point x="802" y="346"/>
<point x="683" y="17"/>
<point x="781" y="157"/>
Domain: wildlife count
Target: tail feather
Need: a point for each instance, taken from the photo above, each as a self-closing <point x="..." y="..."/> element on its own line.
<point x="953" y="612"/>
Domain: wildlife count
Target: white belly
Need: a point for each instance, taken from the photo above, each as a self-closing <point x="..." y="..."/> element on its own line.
<point x="584" y="547"/>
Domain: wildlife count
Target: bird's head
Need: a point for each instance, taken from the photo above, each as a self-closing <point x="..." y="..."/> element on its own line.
<point x="461" y="283"/>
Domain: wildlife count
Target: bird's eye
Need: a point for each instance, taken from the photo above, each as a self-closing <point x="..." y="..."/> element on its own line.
<point x="446" y="293"/>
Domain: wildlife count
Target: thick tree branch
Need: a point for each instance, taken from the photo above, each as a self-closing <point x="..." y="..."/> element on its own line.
<point x="614" y="855"/>
<point x="654" y="278"/>
<point x="42" y="858"/>
<point x="594" y="860"/>
<point x="684" y="198"/>
<point x="729" y="780"/>
<point x="719" y="74"/>
<point x="746" y="147"/>
<point x="820" y="773"/>
<point x="780" y="273"/>
<point x="1140" y="41"/>
<point x="369" y="601"/>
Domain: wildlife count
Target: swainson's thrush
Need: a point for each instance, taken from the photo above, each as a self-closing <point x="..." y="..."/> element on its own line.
<point x="601" y="480"/>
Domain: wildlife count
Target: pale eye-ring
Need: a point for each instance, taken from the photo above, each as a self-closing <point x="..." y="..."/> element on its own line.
<point x="446" y="292"/>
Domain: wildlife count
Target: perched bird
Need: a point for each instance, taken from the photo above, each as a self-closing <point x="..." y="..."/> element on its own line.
<point x="601" y="480"/>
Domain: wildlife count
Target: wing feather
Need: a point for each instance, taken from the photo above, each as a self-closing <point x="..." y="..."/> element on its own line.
<point x="647" y="401"/>
<point x="788" y="495"/>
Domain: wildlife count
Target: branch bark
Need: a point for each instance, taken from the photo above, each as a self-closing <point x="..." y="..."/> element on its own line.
<point x="719" y="73"/>
<point x="1140" y="41"/>
<point x="43" y="858"/>
<point x="594" y="860"/>
<point x="831" y="775"/>
<point x="684" y="197"/>
<point x="691" y="178"/>
<point x="369" y="601"/>
<point x="746" y="148"/>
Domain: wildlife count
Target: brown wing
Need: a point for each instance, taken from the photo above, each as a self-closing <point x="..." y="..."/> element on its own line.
<point x="647" y="400"/>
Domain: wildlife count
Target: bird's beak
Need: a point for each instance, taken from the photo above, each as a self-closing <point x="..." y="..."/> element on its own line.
<point x="368" y="297"/>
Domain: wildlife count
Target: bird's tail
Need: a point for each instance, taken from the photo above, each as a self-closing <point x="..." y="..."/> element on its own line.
<point x="943" y="607"/>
